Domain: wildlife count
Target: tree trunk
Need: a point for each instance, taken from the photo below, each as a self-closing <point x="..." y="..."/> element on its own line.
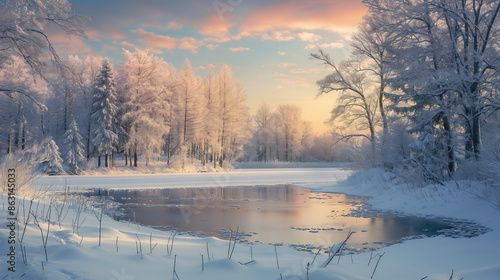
<point x="449" y="144"/>
<point x="106" y="160"/>
<point x="88" y="139"/>
<point x="9" y="147"/>
<point x="98" y="161"/>
<point x="469" y="147"/>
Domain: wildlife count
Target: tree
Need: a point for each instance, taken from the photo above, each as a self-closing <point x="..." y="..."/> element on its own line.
<point x="49" y="158"/>
<point x="357" y="105"/>
<point x="373" y="43"/>
<point x="289" y="121"/>
<point x="262" y="119"/>
<point x="103" y="117"/>
<point x="188" y="100"/>
<point x="449" y="82"/>
<point x="74" y="149"/>
<point x="22" y="29"/>
<point x="233" y="115"/>
<point x="22" y="116"/>
<point x="146" y="85"/>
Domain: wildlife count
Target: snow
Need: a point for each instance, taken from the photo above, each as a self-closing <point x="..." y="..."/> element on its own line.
<point x="468" y="258"/>
<point x="237" y="177"/>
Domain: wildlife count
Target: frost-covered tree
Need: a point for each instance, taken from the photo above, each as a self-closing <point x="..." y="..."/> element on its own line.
<point x="188" y="100"/>
<point x="210" y="133"/>
<point x="146" y="82"/>
<point x="289" y="121"/>
<point x="357" y="104"/>
<point x="103" y="117"/>
<point x="74" y="149"/>
<point x="262" y="136"/>
<point x="450" y="80"/>
<point x="22" y="29"/>
<point x="233" y="116"/>
<point x="22" y="116"/>
<point x="49" y="158"/>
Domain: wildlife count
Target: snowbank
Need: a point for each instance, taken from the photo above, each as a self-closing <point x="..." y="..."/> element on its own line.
<point x="76" y="255"/>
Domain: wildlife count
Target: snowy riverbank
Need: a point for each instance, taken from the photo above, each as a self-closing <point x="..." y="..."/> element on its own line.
<point x="78" y="256"/>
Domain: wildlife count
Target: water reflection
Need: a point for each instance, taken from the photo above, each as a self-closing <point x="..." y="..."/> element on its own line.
<point x="270" y="214"/>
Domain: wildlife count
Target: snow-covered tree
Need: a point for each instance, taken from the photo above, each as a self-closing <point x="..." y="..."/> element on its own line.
<point x="22" y="25"/>
<point x="103" y="117"/>
<point x="146" y="82"/>
<point x="262" y="136"/>
<point x="22" y="116"/>
<point x="233" y="115"/>
<point x="74" y="149"/>
<point x="188" y="100"/>
<point x="357" y="105"/>
<point x="49" y="158"/>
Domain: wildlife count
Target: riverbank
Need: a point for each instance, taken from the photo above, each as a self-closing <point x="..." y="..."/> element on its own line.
<point x="129" y="251"/>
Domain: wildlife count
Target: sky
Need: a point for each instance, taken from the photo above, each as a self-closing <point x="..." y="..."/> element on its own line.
<point x="266" y="43"/>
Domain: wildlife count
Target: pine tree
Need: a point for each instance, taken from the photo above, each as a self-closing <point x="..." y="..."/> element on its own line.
<point x="103" y="116"/>
<point x="74" y="148"/>
<point x="49" y="158"/>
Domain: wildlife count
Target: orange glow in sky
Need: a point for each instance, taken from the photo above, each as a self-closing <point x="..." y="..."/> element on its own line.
<point x="266" y="43"/>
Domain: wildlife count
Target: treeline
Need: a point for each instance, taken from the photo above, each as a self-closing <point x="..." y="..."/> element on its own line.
<point x="281" y="134"/>
<point x="421" y="86"/>
<point x="142" y="107"/>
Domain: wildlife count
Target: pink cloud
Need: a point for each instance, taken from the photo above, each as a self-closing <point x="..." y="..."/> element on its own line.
<point x="214" y="26"/>
<point x="308" y="37"/>
<point x="212" y="46"/>
<point x="281" y="53"/>
<point x="189" y="43"/>
<point x="69" y="44"/>
<point x="332" y="45"/>
<point x="132" y="46"/>
<point x="338" y="16"/>
<point x="286" y="64"/>
<point x="278" y="36"/>
<point x="239" y="49"/>
<point x="157" y="41"/>
<point x="151" y="39"/>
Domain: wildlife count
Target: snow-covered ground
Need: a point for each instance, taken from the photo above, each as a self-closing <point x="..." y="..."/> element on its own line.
<point x="78" y="256"/>
<point x="237" y="177"/>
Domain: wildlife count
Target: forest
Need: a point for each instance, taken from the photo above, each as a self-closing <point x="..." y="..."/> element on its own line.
<point x="419" y="92"/>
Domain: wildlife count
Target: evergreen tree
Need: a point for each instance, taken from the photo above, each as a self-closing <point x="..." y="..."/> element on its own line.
<point x="49" y="158"/>
<point x="103" y="116"/>
<point x="74" y="148"/>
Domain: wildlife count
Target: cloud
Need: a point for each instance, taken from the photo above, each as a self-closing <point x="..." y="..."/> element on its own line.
<point x="338" y="16"/>
<point x="65" y="44"/>
<point x="212" y="46"/>
<point x="151" y="39"/>
<point x="277" y="20"/>
<point x="308" y="37"/>
<point x="171" y="25"/>
<point x="305" y="71"/>
<point x="285" y="83"/>
<point x="278" y="36"/>
<point x="189" y="43"/>
<point x="109" y="48"/>
<point x="286" y="64"/>
<point x="133" y="47"/>
<point x="239" y="49"/>
<point x="281" y="53"/>
<point x="332" y="45"/>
